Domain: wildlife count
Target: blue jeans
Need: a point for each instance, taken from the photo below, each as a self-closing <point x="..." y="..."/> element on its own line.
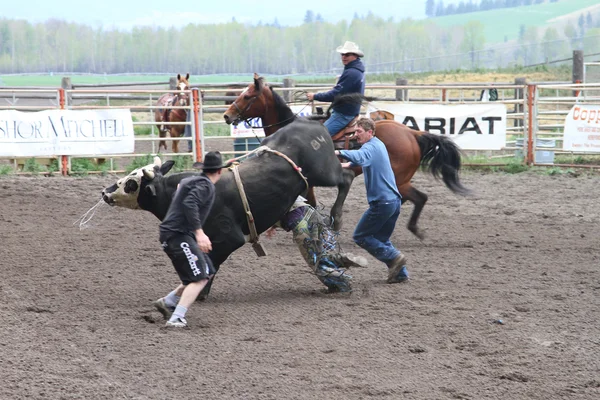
<point x="375" y="228"/>
<point x="336" y="122"/>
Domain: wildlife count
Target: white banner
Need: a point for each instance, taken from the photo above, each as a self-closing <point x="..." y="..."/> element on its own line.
<point x="66" y="133"/>
<point x="254" y="129"/>
<point x="471" y="126"/>
<point x="582" y="129"/>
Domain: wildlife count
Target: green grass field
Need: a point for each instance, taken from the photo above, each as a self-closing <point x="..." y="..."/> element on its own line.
<point x="505" y="22"/>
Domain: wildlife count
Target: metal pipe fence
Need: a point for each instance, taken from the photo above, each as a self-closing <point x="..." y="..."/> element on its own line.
<point x="535" y="113"/>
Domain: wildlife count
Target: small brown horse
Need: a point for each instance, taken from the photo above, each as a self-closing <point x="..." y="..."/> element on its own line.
<point x="165" y="113"/>
<point x="407" y="148"/>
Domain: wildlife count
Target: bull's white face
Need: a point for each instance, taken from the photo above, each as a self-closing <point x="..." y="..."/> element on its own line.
<point x="125" y="192"/>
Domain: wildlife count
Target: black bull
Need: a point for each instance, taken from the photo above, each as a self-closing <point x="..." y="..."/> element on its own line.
<point x="270" y="182"/>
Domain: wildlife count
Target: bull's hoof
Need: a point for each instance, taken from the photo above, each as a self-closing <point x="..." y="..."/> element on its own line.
<point x="417" y="232"/>
<point x="335" y="223"/>
<point x="205" y="292"/>
<point x="202" y="296"/>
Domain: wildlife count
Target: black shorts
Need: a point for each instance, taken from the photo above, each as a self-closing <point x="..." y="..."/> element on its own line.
<point x="191" y="264"/>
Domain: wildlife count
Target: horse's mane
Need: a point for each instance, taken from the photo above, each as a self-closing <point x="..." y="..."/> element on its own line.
<point x="284" y="112"/>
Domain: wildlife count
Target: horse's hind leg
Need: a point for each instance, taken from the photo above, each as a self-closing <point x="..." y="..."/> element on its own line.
<point x="419" y="199"/>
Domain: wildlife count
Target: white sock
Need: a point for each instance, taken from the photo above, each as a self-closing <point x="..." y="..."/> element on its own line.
<point x="171" y="299"/>
<point x="178" y="313"/>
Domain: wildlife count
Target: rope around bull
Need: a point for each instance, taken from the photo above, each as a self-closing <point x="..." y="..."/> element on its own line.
<point x="263" y="149"/>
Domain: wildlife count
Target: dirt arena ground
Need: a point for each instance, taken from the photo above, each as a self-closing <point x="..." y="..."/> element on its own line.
<point x="77" y="320"/>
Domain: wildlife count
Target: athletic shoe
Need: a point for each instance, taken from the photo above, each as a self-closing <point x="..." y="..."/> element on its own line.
<point x="397" y="270"/>
<point x="178" y="323"/>
<point x="163" y="308"/>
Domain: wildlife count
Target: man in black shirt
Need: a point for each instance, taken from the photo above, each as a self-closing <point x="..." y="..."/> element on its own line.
<point x="185" y="242"/>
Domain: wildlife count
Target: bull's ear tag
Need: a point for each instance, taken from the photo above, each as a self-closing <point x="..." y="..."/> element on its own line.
<point x="259" y="249"/>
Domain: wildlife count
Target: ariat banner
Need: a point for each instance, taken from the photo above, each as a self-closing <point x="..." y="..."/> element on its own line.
<point x="66" y="133"/>
<point x="471" y="126"/>
<point x="582" y="128"/>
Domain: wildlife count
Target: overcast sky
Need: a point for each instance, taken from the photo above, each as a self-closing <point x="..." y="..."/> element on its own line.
<point x="124" y="14"/>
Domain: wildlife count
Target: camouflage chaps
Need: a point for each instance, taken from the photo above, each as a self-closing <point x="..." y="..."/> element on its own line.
<point x="318" y="245"/>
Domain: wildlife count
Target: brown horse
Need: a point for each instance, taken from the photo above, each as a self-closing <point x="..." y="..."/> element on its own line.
<point x="166" y="113"/>
<point x="407" y="148"/>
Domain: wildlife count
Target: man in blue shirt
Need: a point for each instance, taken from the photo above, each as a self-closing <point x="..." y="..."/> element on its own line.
<point x="377" y="224"/>
<point x="351" y="81"/>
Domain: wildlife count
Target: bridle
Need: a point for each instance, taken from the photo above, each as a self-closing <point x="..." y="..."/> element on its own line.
<point x="240" y="112"/>
<point x="248" y="121"/>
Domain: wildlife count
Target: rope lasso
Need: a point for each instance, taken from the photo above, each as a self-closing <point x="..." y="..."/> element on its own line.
<point x="262" y="149"/>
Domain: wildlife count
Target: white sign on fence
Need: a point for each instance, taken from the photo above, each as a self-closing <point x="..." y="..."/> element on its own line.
<point x="582" y="128"/>
<point x="254" y="129"/>
<point x="66" y="132"/>
<point x="471" y="126"/>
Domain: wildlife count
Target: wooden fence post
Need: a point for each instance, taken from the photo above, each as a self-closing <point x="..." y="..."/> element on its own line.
<point x="173" y="83"/>
<point x="577" y="69"/>
<point x="287" y="94"/>
<point x="577" y="66"/>
<point x="519" y="95"/>
<point x="401" y="94"/>
<point x="66" y="84"/>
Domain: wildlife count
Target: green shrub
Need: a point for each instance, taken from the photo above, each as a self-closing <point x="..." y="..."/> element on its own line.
<point x="5" y="169"/>
<point x="54" y="166"/>
<point x="139" y="162"/>
<point x="32" y="166"/>
<point x="554" y="171"/>
<point x="182" y="163"/>
<point x="514" y="167"/>
<point x="81" y="166"/>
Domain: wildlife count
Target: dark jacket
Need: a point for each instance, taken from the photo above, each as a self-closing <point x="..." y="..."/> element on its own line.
<point x="351" y="81"/>
<point x="189" y="208"/>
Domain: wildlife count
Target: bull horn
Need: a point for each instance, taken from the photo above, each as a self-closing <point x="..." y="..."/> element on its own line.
<point x="148" y="174"/>
<point x="157" y="161"/>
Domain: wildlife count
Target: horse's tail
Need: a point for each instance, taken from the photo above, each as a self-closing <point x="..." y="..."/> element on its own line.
<point x="349" y="98"/>
<point x="442" y="156"/>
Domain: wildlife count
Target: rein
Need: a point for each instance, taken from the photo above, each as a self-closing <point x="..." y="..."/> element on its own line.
<point x="248" y="120"/>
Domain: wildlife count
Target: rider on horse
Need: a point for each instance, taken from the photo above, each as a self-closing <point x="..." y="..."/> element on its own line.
<point x="352" y="80"/>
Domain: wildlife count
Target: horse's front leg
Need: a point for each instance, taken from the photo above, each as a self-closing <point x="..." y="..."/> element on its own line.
<point x="343" y="190"/>
<point x="175" y="144"/>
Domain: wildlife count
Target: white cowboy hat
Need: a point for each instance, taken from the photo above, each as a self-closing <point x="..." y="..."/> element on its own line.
<point x="350" y="47"/>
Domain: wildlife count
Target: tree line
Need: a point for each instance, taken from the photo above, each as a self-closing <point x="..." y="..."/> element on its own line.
<point x="438" y="9"/>
<point x="59" y="46"/>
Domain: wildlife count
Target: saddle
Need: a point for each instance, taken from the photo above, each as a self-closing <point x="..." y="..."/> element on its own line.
<point x="344" y="139"/>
